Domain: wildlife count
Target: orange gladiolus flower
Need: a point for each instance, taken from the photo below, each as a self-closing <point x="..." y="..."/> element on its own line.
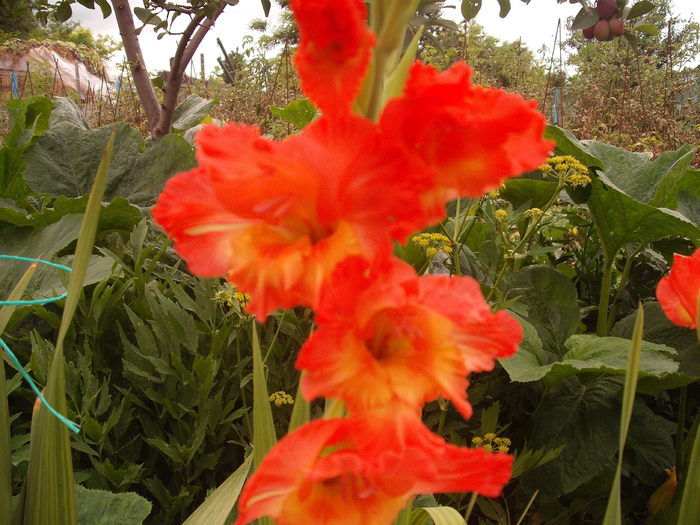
<point x="362" y="470"/>
<point x="334" y="51"/>
<point x="679" y="292"/>
<point x="473" y="137"/>
<point x="387" y="336"/>
<point x="277" y="217"/>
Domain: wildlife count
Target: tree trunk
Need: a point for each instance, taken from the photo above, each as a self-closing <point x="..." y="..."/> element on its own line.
<point x="132" y="48"/>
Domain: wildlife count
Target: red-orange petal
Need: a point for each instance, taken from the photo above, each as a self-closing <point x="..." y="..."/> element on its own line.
<point x="335" y="45"/>
<point x="386" y="336"/>
<point x="679" y="292"/>
<point x="473" y="137"/>
<point x="363" y="469"/>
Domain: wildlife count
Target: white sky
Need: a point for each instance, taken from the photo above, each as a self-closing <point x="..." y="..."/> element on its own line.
<point x="535" y="23"/>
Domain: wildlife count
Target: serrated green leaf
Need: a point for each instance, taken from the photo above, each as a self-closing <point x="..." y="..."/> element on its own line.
<point x="100" y="507"/>
<point x="582" y="417"/>
<point x="647" y="29"/>
<point x="470" y="8"/>
<point x="640" y="8"/>
<point x="590" y="353"/>
<point x="219" y="504"/>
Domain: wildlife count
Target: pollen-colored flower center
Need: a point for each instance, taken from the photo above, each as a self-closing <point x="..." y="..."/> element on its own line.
<point x="396" y="334"/>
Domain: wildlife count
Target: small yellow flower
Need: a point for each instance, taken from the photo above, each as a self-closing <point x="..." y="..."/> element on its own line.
<point x="477" y="441"/>
<point x="578" y="180"/>
<point x="487" y="447"/>
<point x="447" y="249"/>
<point x="500" y="215"/>
<point x="532" y="212"/>
<point x="431" y="251"/>
<point x="281" y="398"/>
<point x="490" y="436"/>
<point x="241" y="298"/>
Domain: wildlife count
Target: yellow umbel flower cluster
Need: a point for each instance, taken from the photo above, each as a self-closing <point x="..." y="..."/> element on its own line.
<point x="532" y="212"/>
<point x="491" y="443"/>
<point x="500" y="215"/>
<point x="281" y="398"/>
<point x="433" y="243"/>
<point x="229" y="297"/>
<point x="568" y="169"/>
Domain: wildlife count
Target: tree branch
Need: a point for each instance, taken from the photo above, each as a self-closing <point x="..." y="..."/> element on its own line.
<point x="132" y="48"/>
<point x="189" y="42"/>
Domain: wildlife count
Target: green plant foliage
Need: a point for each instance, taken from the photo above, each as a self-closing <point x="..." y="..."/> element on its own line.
<point x="582" y="417"/>
<point x="29" y="118"/>
<point x="589" y="353"/>
<point x="191" y="112"/>
<point x="99" y="507"/>
<point x="219" y="504"/>
<point x="438" y="515"/>
<point x="66" y="153"/>
<point x="298" y="112"/>
<point x="555" y="319"/>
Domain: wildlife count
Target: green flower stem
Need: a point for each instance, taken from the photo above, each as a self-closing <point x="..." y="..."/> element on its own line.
<point x="624" y="278"/>
<point x="444" y="405"/>
<point x="680" y="433"/>
<point x="470" y="506"/>
<point x="602" y="325"/>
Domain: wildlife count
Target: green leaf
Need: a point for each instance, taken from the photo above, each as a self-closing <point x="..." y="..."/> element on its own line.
<point x="29" y="117"/>
<point x="640" y="8"/>
<point x="5" y="450"/>
<point x="90" y="4"/>
<point x="301" y="413"/>
<point x="582" y="417"/>
<point x="647" y="29"/>
<point x="12" y="185"/>
<point x="556" y="318"/>
<point x="191" y="112"/>
<point x="104" y="7"/>
<point x="584" y="18"/>
<point x="146" y="16"/>
<point x="505" y="8"/>
<point x="299" y="112"/>
<point x="613" y="511"/>
<point x="567" y="144"/>
<point x="266" y="6"/>
<point x="649" y="181"/>
<point x="216" y="508"/>
<point x="100" y="507"/>
<point x="50" y="496"/>
<point x="63" y="162"/>
<point x="690" y="504"/>
<point x="63" y="12"/>
<point x="621" y="220"/>
<point x="658" y="329"/>
<point x="439" y="515"/>
<point x="264" y="437"/>
<point x="520" y="191"/>
<point x="397" y="79"/>
<point x="589" y="353"/>
<point x="470" y="8"/>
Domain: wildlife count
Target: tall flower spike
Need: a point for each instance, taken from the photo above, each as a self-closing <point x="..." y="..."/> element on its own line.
<point x="472" y="137"/>
<point x="679" y="292"/>
<point x="389" y="337"/>
<point x="277" y="217"/>
<point x="334" y="51"/>
<point x="363" y="470"/>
